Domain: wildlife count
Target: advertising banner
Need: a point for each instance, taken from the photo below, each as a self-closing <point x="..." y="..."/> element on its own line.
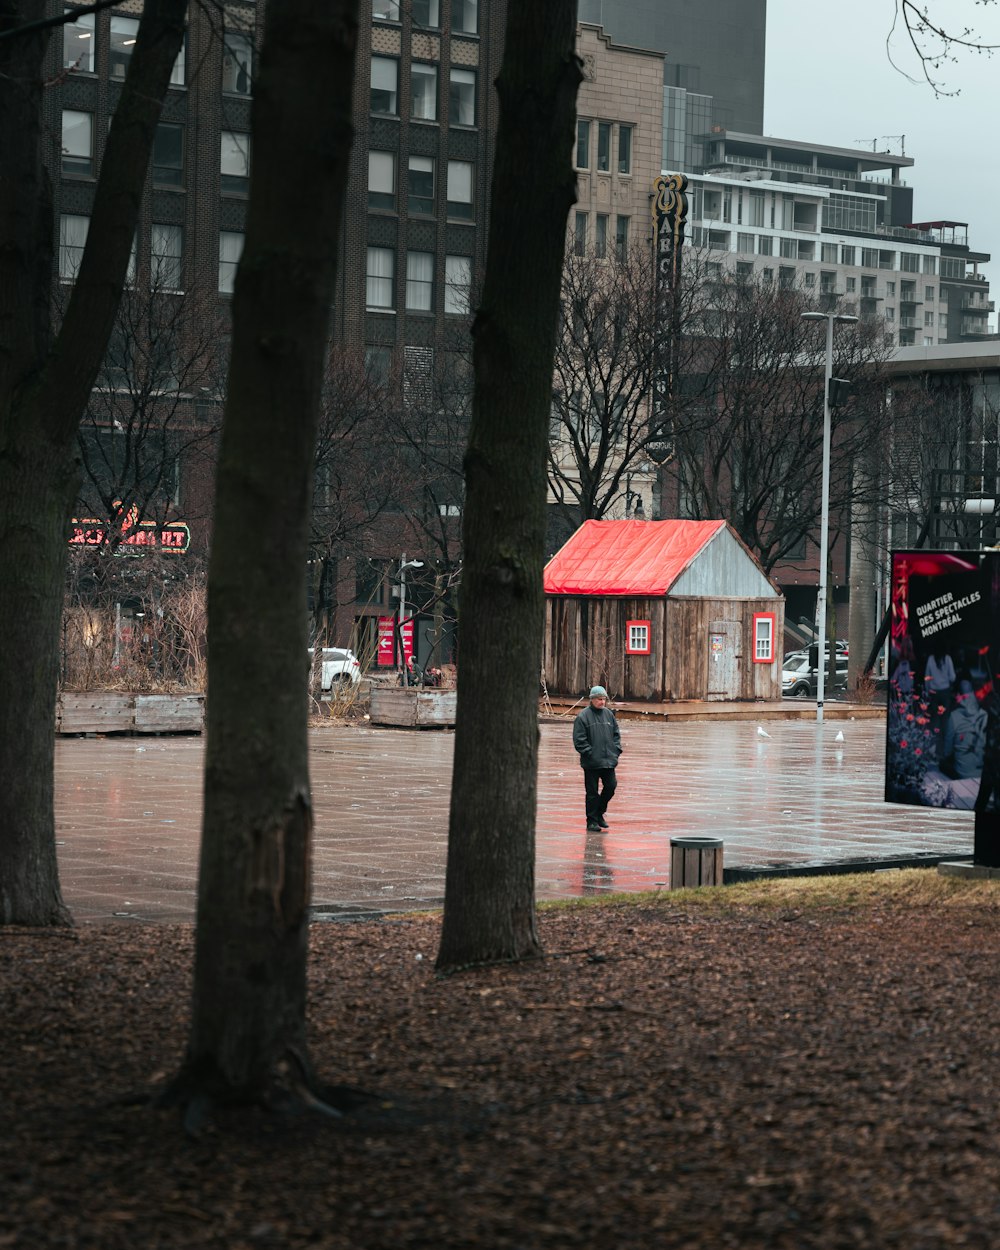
<point x="387" y="656"/>
<point x="943" y="722"/>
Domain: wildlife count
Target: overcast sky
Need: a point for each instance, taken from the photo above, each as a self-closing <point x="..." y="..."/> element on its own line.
<point x="829" y="80"/>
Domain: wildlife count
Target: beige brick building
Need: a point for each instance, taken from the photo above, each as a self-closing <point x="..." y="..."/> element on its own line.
<point x="619" y="140"/>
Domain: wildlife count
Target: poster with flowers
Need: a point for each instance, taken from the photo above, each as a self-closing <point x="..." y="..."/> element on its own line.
<point x="943" y="721"/>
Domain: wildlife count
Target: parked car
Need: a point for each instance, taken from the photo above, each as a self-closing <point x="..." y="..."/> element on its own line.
<point x="341" y="668"/>
<point x="799" y="680"/>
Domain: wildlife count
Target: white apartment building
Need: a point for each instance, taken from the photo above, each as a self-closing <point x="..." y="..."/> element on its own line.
<point x="836" y="222"/>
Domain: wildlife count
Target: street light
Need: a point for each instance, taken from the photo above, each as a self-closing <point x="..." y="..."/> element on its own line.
<point x="404" y="564"/>
<point x="829" y="318"/>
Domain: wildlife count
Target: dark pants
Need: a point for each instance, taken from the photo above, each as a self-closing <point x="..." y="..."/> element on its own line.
<point x="597" y="802"/>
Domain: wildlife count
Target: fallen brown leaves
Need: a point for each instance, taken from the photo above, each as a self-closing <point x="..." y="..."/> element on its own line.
<point x="670" y="1076"/>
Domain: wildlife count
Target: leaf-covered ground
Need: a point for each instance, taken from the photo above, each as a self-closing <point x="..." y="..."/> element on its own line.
<point x="673" y="1074"/>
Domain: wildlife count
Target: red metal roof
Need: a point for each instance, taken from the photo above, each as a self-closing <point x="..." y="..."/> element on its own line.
<point x="626" y="557"/>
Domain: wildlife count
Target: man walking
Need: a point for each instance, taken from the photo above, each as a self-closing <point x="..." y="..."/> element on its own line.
<point x="599" y="743"/>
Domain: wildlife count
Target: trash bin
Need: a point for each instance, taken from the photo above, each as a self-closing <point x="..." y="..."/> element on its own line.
<point x="695" y="861"/>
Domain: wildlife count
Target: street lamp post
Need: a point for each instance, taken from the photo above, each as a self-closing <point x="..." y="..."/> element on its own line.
<point x="404" y="564"/>
<point x="829" y="318"/>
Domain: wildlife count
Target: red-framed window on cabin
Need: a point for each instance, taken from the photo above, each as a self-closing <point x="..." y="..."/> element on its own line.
<point x="637" y="639"/>
<point x="763" y="637"/>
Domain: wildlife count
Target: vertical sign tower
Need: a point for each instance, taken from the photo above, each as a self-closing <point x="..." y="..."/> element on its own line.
<point x="669" y="217"/>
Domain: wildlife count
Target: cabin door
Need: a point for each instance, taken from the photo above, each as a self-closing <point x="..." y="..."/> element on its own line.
<point x="724" y="659"/>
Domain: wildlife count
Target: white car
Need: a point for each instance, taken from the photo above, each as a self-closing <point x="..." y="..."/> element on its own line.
<point x="341" y="668"/>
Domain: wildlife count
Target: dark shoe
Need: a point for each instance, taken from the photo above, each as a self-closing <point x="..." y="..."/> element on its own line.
<point x="593" y="826"/>
<point x="603" y="823"/>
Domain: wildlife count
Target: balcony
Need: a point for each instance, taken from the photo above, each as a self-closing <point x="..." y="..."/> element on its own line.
<point x="908" y="323"/>
<point x="976" y="304"/>
<point x="974" y="325"/>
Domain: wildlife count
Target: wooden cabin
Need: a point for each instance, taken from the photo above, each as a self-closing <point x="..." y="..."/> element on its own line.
<point x="659" y="611"/>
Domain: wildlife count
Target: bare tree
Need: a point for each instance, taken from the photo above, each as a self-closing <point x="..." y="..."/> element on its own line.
<point x="936" y="44"/>
<point x="754" y="457"/>
<point x="600" y="432"/>
<point x="46" y="377"/>
<point x="247" y="1042"/>
<point x="489" y="891"/>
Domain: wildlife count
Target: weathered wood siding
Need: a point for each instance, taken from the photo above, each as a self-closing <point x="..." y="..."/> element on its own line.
<point x="413" y="708"/>
<point x="110" y="711"/>
<point x="585" y="643"/>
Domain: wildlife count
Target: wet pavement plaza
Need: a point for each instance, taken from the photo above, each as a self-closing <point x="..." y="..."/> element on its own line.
<point x="128" y="812"/>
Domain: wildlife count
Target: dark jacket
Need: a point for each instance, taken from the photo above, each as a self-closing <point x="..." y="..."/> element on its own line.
<point x="596" y="737"/>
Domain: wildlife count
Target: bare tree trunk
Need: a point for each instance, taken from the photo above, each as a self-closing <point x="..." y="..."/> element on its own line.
<point x="247" y="1040"/>
<point x="44" y="386"/>
<point x="489" y="893"/>
<point x="861" y="619"/>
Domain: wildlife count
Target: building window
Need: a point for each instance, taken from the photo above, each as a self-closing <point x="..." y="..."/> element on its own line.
<point x="465" y="16"/>
<point x="166" y="251"/>
<point x="909" y="262"/>
<point x="425" y="14"/>
<point x="744" y="242"/>
<point x="457" y="284"/>
<point x="420" y="281"/>
<point x="604" y="146"/>
<point x="230" y="251"/>
<point x="421" y="199"/>
<point x="763" y="637"/>
<point x="851" y="284"/>
<point x="624" y="149"/>
<point x="943" y="325"/>
<point x="168" y="155"/>
<point x="890" y="290"/>
<point x="460" y="202"/>
<point x="601" y="235"/>
<point x="423" y="92"/>
<point x="381" y="180"/>
<point x="744" y="269"/>
<point x="930" y="294"/>
<point x="928" y="319"/>
<point x="621" y="234"/>
<point x="384" y="85"/>
<point x="582" y="144"/>
<point x="77" y="142"/>
<point x="765" y="245"/>
<point x="890" y="314"/>
<point x="385" y="10"/>
<point x="237" y="63"/>
<point x="234" y="162"/>
<point x="828" y="253"/>
<point x="786" y="277"/>
<point x="380" y="275"/>
<point x="72" y="240"/>
<point x="78" y="44"/>
<point x="462" y="97"/>
<point x="177" y="73"/>
<point x="847" y="255"/>
<point x="810" y="279"/>
<point x="637" y="637"/>
<point x="580" y="234"/>
<point x="930" y="264"/>
<point x="123" y="35"/>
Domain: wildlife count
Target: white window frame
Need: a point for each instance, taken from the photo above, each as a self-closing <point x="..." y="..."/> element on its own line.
<point x="166" y="257"/>
<point x="457" y="285"/>
<point x="230" y="250"/>
<point x="461" y="96"/>
<point x="423" y="102"/>
<point x="461" y="190"/>
<point x="237" y="63"/>
<point x="81" y="31"/>
<point x="73" y="229"/>
<point x="381" y="179"/>
<point x="234" y="162"/>
<point x="380" y="279"/>
<point x="414" y="165"/>
<point x="420" y="282"/>
<point x="77" y="143"/>
<point x="385" y="79"/>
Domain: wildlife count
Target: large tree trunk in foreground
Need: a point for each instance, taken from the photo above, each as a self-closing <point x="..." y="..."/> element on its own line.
<point x="247" y="1040"/>
<point x="44" y="386"/>
<point x="490" y="888"/>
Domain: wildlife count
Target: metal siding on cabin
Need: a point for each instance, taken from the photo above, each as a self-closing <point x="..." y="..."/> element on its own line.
<point x="723" y="567"/>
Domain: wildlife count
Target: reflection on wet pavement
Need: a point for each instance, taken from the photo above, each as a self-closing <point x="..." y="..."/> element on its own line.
<point x="128" y="812"/>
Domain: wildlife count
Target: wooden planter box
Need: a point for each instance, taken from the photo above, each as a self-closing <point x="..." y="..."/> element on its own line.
<point x="114" y="712"/>
<point x="414" y="708"/>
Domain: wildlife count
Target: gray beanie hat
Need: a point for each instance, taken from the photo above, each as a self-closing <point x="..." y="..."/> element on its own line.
<point x="598" y="692"/>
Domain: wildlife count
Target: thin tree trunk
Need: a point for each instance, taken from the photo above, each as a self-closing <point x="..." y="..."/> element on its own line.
<point x="44" y="388"/>
<point x="247" y="1040"/>
<point x="490" y="894"/>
